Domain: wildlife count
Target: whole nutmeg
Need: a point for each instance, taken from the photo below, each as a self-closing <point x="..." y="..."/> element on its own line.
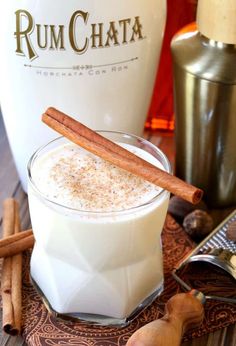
<point x="198" y="224"/>
<point x="179" y="208"/>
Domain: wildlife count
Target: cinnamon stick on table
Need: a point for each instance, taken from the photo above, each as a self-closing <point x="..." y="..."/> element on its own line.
<point x="11" y="284"/>
<point x="16" y="243"/>
<point x="115" y="154"/>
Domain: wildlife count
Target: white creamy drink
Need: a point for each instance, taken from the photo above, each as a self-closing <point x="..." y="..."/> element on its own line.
<point x="97" y="229"/>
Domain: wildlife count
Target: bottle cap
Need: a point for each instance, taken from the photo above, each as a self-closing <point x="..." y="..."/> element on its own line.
<point x="216" y="19"/>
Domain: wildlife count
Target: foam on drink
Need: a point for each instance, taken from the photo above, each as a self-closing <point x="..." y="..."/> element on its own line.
<point x="78" y="179"/>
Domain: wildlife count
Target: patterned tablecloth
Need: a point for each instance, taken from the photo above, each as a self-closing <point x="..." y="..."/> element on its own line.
<point x="41" y="328"/>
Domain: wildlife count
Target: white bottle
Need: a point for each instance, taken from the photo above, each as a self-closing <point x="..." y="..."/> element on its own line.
<point x="95" y="60"/>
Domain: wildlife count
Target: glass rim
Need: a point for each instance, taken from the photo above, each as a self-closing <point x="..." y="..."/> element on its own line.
<point x="34" y="156"/>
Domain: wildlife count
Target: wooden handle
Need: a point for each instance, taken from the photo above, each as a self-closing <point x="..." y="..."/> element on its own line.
<point x="183" y="311"/>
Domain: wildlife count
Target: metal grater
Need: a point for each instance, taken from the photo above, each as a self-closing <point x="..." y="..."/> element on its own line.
<point x="215" y="249"/>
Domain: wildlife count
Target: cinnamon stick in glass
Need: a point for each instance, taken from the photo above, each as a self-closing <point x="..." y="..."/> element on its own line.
<point x="11" y="284"/>
<point x="112" y="152"/>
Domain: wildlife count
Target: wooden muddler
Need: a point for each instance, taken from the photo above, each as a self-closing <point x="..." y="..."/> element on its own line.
<point x="115" y="154"/>
<point x="183" y="311"/>
<point x="11" y="273"/>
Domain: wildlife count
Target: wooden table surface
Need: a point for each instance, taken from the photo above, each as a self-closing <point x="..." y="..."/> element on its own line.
<point x="10" y="186"/>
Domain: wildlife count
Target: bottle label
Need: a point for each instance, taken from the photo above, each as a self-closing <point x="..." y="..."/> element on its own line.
<point x="79" y="35"/>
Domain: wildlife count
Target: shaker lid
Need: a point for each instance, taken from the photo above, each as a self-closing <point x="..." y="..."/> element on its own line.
<point x="216" y="19"/>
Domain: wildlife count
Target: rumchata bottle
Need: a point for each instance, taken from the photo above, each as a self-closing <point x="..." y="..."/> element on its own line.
<point x="95" y="60"/>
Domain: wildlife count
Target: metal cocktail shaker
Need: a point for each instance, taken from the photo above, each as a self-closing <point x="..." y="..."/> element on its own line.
<point x="205" y="102"/>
